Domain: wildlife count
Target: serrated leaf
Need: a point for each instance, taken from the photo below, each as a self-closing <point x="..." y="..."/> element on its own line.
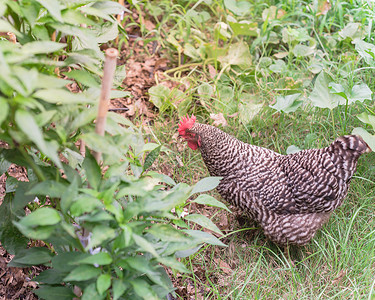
<point x="321" y="95"/>
<point x="41" y="217"/>
<point x="204" y="237"/>
<point x="145" y="245"/>
<point x="205" y="199"/>
<point x="151" y="157"/>
<point x="82" y="273"/>
<point x="174" y="264"/>
<point x="26" y="122"/>
<point x="103" y="283"/>
<point x="204" y="222"/>
<point x="206" y="184"/>
<point x="287" y="103"/>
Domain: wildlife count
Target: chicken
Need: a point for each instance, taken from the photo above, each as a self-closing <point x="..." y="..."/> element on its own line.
<point x="290" y="196"/>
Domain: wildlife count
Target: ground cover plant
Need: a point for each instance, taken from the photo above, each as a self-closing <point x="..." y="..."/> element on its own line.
<point x="285" y="75"/>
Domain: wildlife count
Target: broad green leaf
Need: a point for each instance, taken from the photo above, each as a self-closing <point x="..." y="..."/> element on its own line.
<point x="302" y="50"/>
<point x="100" y="234"/>
<point x="84" y="78"/>
<point x="37" y="233"/>
<point x="238" y="55"/>
<point x="292" y="149"/>
<point x="103" y="283"/>
<point x="50" y="82"/>
<point x="85" y="204"/>
<point x="4" y="108"/>
<point x="174" y="264"/>
<point x="91" y="293"/>
<point x="337" y="89"/>
<point x="143" y="290"/>
<point x="83" y="273"/>
<point x="26" y="122"/>
<point x="118" y="288"/>
<point x="50" y="188"/>
<point x="11" y="184"/>
<point x="4" y="165"/>
<point x="159" y="95"/>
<point x="101" y="259"/>
<point x="53" y="7"/>
<point x="41" y="217"/>
<point x="210" y="201"/>
<point x="92" y="171"/>
<point x="33" y="256"/>
<point x="365" y="50"/>
<point x="151" y="157"/>
<point x="352" y="31"/>
<point x="245" y="28"/>
<point x="287" y="103"/>
<point x="293" y="35"/>
<point x="369" y="139"/>
<point x="206" y="184"/>
<point x="321" y="95"/>
<point x="50" y="276"/>
<point x="204" y="237"/>
<point x="61" y="96"/>
<point x="360" y="92"/>
<point x="249" y="108"/>
<point x="38" y="47"/>
<point x="204" y="222"/>
<point x="368" y="119"/>
<point x="54" y="292"/>
<point x="278" y="66"/>
<point x="144" y="244"/>
<point x="22" y="198"/>
<point x="239" y="8"/>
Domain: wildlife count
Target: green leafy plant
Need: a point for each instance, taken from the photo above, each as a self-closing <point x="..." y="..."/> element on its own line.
<point x="108" y="229"/>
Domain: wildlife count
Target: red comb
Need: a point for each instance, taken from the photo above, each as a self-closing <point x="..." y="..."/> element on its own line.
<point x="186" y="123"/>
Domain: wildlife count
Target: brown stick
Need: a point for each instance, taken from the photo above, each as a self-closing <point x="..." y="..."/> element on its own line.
<point x="109" y="72"/>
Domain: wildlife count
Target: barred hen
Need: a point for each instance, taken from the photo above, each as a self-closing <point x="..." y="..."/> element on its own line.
<point x="290" y="196"/>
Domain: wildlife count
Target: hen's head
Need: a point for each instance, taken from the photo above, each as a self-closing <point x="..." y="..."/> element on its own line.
<point x="184" y="129"/>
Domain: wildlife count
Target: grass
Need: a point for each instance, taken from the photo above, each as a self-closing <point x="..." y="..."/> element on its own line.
<point x="340" y="261"/>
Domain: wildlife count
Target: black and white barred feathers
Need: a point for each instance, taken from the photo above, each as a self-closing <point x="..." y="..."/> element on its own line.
<point x="290" y="196"/>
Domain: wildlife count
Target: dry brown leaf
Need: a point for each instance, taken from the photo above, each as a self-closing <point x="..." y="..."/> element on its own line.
<point x="149" y="25"/>
<point x="223" y="266"/>
<point x="219" y="119"/>
<point x="281" y="55"/>
<point x="212" y="71"/>
<point x="323" y="8"/>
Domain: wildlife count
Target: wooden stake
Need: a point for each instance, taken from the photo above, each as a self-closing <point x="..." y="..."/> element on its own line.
<point x="109" y="72"/>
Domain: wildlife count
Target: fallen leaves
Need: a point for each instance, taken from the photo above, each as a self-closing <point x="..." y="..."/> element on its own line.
<point x="219" y="119"/>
